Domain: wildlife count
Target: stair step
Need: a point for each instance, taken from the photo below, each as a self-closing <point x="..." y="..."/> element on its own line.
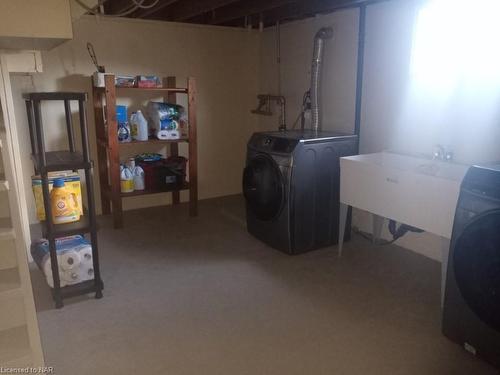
<point x="6" y="230"/>
<point x="7" y="234"/>
<point x="4" y="184"/>
<point x="12" y="313"/>
<point x="20" y="362"/>
<point x="15" y="347"/>
<point x="8" y="255"/>
<point x="9" y="281"/>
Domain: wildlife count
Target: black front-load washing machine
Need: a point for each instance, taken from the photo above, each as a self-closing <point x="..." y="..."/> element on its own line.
<point x="291" y="188"/>
<point x="471" y="310"/>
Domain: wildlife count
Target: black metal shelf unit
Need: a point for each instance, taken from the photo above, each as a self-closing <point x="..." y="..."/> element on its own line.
<point x="71" y="159"/>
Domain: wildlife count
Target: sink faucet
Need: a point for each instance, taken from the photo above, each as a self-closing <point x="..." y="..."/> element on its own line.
<point x="440" y="153"/>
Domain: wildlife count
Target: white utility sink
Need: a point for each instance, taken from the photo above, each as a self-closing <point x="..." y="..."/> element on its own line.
<point x="408" y="163"/>
<point x="413" y="190"/>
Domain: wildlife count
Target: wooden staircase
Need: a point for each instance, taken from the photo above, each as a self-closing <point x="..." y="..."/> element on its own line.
<point x="19" y="335"/>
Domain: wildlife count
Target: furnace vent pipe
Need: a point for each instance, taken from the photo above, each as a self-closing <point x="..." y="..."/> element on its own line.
<point x="318" y="52"/>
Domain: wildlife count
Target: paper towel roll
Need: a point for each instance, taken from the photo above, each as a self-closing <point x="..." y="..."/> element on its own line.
<point x="86" y="272"/>
<point x="69" y="260"/>
<point x="47" y="267"/>
<point x="50" y="279"/>
<point x="86" y="256"/>
<point x="70" y="277"/>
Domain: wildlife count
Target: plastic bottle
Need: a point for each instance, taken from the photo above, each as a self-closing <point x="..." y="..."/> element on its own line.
<point x="133" y="126"/>
<point x="141" y="126"/>
<point x="123" y="125"/>
<point x="64" y="204"/>
<point x="126" y="180"/>
<point x="137" y="174"/>
<point x="123" y="132"/>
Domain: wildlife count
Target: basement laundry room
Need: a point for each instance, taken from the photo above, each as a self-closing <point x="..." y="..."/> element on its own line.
<point x="249" y="187"/>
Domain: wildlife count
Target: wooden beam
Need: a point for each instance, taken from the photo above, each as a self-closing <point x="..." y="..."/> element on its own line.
<point x="246" y="9"/>
<point x="162" y="4"/>
<point x="283" y="10"/>
<point x="116" y="6"/>
<point x="193" y="8"/>
<point x="188" y="9"/>
<point x="309" y="8"/>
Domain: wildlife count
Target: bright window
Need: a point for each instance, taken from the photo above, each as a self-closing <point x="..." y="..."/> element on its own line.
<point x="456" y="44"/>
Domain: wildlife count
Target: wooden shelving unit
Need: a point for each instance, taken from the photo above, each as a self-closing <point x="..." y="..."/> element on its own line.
<point x="109" y="148"/>
<point x="45" y="162"/>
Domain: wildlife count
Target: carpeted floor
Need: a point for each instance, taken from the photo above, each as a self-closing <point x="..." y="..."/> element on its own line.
<point x="200" y="296"/>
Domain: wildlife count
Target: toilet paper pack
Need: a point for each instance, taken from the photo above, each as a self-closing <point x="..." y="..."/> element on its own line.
<point x="74" y="257"/>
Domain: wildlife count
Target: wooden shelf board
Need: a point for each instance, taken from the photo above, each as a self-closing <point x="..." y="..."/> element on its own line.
<point x="177" y="90"/>
<point x="103" y="142"/>
<point x="147" y="192"/>
<point x="154" y="141"/>
<point x="14" y="345"/>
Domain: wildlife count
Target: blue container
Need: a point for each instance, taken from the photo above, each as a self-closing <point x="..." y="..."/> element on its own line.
<point x="121" y="113"/>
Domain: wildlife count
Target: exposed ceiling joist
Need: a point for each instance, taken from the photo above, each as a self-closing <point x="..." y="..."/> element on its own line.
<point x="310" y="8"/>
<point x="116" y="6"/>
<point x="162" y="4"/>
<point x="231" y="12"/>
<point x="188" y="9"/>
<point x="249" y="8"/>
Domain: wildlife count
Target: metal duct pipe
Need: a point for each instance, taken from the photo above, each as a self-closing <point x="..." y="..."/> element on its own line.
<point x="319" y="45"/>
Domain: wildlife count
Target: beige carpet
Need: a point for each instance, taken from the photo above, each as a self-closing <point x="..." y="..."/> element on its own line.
<point x="200" y="296"/>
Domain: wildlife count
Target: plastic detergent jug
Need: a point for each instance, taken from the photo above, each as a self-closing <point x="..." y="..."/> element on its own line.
<point x="139" y="127"/>
<point x="64" y="204"/>
<point x="137" y="174"/>
<point x="126" y="180"/>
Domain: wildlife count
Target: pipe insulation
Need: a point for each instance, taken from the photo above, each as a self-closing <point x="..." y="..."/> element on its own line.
<point x="319" y="45"/>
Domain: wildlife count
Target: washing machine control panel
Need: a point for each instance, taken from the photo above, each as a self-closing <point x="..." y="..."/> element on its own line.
<point x="268" y="143"/>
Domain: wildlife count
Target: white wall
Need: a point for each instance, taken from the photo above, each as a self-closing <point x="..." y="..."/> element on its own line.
<point x="395" y="115"/>
<point x="339" y="73"/>
<point x="223" y="60"/>
<point x="402" y="113"/>
<point x="233" y="65"/>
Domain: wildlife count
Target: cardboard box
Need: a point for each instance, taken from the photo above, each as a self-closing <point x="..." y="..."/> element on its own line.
<point x="71" y="181"/>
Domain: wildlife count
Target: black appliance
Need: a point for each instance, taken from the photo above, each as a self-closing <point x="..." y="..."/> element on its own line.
<point x="291" y="187"/>
<point x="471" y="310"/>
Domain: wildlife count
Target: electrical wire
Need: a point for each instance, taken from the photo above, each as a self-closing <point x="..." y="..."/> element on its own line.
<point x="305" y="98"/>
<point x="93" y="56"/>
<point x="131" y="9"/>
<point x="278" y="54"/>
<point x="369" y="237"/>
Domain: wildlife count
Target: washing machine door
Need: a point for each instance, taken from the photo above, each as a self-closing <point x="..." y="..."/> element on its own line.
<point x="476" y="260"/>
<point x="263" y="187"/>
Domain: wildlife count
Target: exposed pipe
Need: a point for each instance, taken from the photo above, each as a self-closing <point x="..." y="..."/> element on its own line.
<point x="319" y="45"/>
<point x="264" y="108"/>
<point x="359" y="74"/>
